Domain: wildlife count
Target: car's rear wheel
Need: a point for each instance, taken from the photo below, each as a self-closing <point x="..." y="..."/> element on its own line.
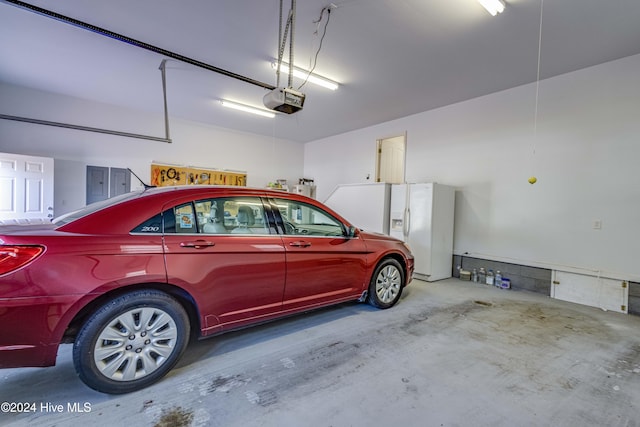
<point x="131" y="342"/>
<point x="386" y="284"/>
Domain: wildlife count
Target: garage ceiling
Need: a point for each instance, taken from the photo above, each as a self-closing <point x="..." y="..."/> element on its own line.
<point x="392" y="58"/>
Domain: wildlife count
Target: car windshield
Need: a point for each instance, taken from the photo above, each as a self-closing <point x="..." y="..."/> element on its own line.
<point x="93" y="207"/>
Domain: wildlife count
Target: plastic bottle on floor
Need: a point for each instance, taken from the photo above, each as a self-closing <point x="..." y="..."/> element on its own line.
<point x="498" y="279"/>
<point x="474" y="276"/>
<point x="482" y="275"/>
<point x="490" y="277"/>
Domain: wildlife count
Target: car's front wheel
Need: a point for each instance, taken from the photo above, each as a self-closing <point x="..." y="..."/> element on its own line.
<point x="386" y="284"/>
<point x="131" y="342"/>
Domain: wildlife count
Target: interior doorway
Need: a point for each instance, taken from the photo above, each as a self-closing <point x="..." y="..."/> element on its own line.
<point x="391" y="153"/>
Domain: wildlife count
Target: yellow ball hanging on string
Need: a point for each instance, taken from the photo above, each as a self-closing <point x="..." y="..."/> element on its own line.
<point x="533" y="180"/>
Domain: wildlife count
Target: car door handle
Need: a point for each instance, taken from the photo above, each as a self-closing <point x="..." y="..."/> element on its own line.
<point x="300" y="244"/>
<point x="198" y="244"/>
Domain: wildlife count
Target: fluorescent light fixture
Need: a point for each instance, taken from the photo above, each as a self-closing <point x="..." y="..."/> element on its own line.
<point x="302" y="74"/>
<point x="493" y="6"/>
<point x="247" y="108"/>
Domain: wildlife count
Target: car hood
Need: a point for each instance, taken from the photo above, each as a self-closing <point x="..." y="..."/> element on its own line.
<point x="372" y="235"/>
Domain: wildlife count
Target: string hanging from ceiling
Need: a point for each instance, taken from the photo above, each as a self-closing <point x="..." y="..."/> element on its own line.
<point x="533" y="179"/>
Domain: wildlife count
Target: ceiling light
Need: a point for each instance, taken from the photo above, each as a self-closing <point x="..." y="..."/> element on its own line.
<point x="247" y="108"/>
<point x="304" y="75"/>
<point x="493" y="6"/>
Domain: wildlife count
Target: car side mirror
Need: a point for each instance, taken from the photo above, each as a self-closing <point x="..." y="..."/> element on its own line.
<point x="352" y="231"/>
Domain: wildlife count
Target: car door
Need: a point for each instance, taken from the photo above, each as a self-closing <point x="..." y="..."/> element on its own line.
<point x="234" y="269"/>
<point x="323" y="264"/>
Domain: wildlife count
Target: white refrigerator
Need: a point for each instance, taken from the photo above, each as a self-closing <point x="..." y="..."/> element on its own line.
<point x="422" y="215"/>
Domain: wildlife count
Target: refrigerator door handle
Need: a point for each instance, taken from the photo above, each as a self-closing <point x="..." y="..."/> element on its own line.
<point x="407" y="213"/>
<point x="406" y="224"/>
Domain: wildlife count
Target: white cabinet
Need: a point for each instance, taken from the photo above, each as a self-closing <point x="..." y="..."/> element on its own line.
<point x="601" y="292"/>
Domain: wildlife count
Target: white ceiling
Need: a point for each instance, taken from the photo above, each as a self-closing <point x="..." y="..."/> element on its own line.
<point x="392" y="58"/>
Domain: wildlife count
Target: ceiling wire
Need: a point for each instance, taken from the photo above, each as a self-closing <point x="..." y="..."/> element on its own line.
<point x="535" y="114"/>
<point x="324" y="33"/>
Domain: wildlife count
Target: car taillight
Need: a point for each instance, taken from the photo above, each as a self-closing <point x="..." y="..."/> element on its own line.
<point x="14" y="257"/>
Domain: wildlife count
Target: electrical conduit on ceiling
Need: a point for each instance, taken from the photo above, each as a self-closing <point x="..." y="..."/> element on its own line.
<point x="106" y="131"/>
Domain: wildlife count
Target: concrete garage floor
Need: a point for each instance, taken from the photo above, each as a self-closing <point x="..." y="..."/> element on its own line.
<point x="451" y="353"/>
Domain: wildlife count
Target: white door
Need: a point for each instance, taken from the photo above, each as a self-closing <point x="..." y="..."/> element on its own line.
<point x="604" y="293"/>
<point x="26" y="188"/>
<point x="391" y="155"/>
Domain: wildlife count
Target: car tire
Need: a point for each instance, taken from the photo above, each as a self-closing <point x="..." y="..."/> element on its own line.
<point x="386" y="284"/>
<point x="131" y="342"/>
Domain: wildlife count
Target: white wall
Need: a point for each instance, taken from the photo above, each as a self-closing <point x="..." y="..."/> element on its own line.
<point x="195" y="144"/>
<point x="586" y="151"/>
<point x="69" y="185"/>
<point x="585" y="155"/>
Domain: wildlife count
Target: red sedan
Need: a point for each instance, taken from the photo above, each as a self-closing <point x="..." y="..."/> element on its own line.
<point x="128" y="280"/>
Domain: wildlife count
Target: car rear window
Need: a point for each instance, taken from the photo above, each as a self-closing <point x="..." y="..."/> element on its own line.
<point x="94" y="207"/>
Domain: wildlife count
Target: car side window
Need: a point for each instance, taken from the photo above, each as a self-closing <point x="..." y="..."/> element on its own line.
<point x="184" y="220"/>
<point x="303" y="219"/>
<point x="232" y="215"/>
<point x="210" y="214"/>
<point x="228" y="215"/>
<point x="179" y="219"/>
